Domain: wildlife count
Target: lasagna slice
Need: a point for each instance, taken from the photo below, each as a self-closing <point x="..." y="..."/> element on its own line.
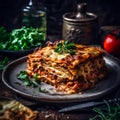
<point x="68" y="73"/>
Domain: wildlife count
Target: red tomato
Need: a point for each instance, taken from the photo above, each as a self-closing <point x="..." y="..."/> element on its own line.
<point x="112" y="44"/>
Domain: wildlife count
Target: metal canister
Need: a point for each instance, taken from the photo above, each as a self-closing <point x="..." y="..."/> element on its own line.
<point x="81" y="26"/>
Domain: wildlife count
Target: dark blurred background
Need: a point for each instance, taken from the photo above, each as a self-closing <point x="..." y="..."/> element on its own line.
<point x="107" y="10"/>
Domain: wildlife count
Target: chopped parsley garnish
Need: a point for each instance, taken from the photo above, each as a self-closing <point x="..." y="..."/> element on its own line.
<point x="65" y="47"/>
<point x="32" y="82"/>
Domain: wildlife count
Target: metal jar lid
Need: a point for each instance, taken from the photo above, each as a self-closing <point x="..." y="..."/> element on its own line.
<point x="81" y="15"/>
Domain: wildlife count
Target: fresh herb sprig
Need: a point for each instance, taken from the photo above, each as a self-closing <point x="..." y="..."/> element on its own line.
<point x="65" y="47"/>
<point x="4" y="62"/>
<point x="110" y="112"/>
<point x="31" y="82"/>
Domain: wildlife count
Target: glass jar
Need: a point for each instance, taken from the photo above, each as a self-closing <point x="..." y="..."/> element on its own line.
<point x="34" y="15"/>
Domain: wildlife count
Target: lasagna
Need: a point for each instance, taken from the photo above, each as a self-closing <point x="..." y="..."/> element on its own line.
<point x="68" y="73"/>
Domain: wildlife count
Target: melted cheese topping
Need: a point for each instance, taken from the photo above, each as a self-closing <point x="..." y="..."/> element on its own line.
<point x="58" y="56"/>
<point x="82" y="53"/>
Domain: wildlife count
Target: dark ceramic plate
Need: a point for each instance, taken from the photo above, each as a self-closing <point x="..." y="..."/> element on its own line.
<point x="102" y="88"/>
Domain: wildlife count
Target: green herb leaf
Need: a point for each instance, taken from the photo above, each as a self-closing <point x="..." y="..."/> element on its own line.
<point x="22" y="75"/>
<point x="29" y="81"/>
<point x="65" y="47"/>
<point x="39" y="89"/>
<point x="36" y="78"/>
<point x="3" y="63"/>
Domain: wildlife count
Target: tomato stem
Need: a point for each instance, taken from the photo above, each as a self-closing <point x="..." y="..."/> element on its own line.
<point x="115" y="33"/>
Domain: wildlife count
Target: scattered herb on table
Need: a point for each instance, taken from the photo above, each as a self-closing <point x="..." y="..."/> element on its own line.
<point x="32" y="82"/>
<point x="21" y="39"/>
<point x="4" y="62"/>
<point x="65" y="47"/>
<point x="110" y="112"/>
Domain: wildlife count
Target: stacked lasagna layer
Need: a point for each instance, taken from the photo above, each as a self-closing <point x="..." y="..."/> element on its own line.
<point x="68" y="73"/>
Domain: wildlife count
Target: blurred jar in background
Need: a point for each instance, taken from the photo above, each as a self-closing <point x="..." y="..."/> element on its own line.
<point x="81" y="26"/>
<point x="34" y="15"/>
